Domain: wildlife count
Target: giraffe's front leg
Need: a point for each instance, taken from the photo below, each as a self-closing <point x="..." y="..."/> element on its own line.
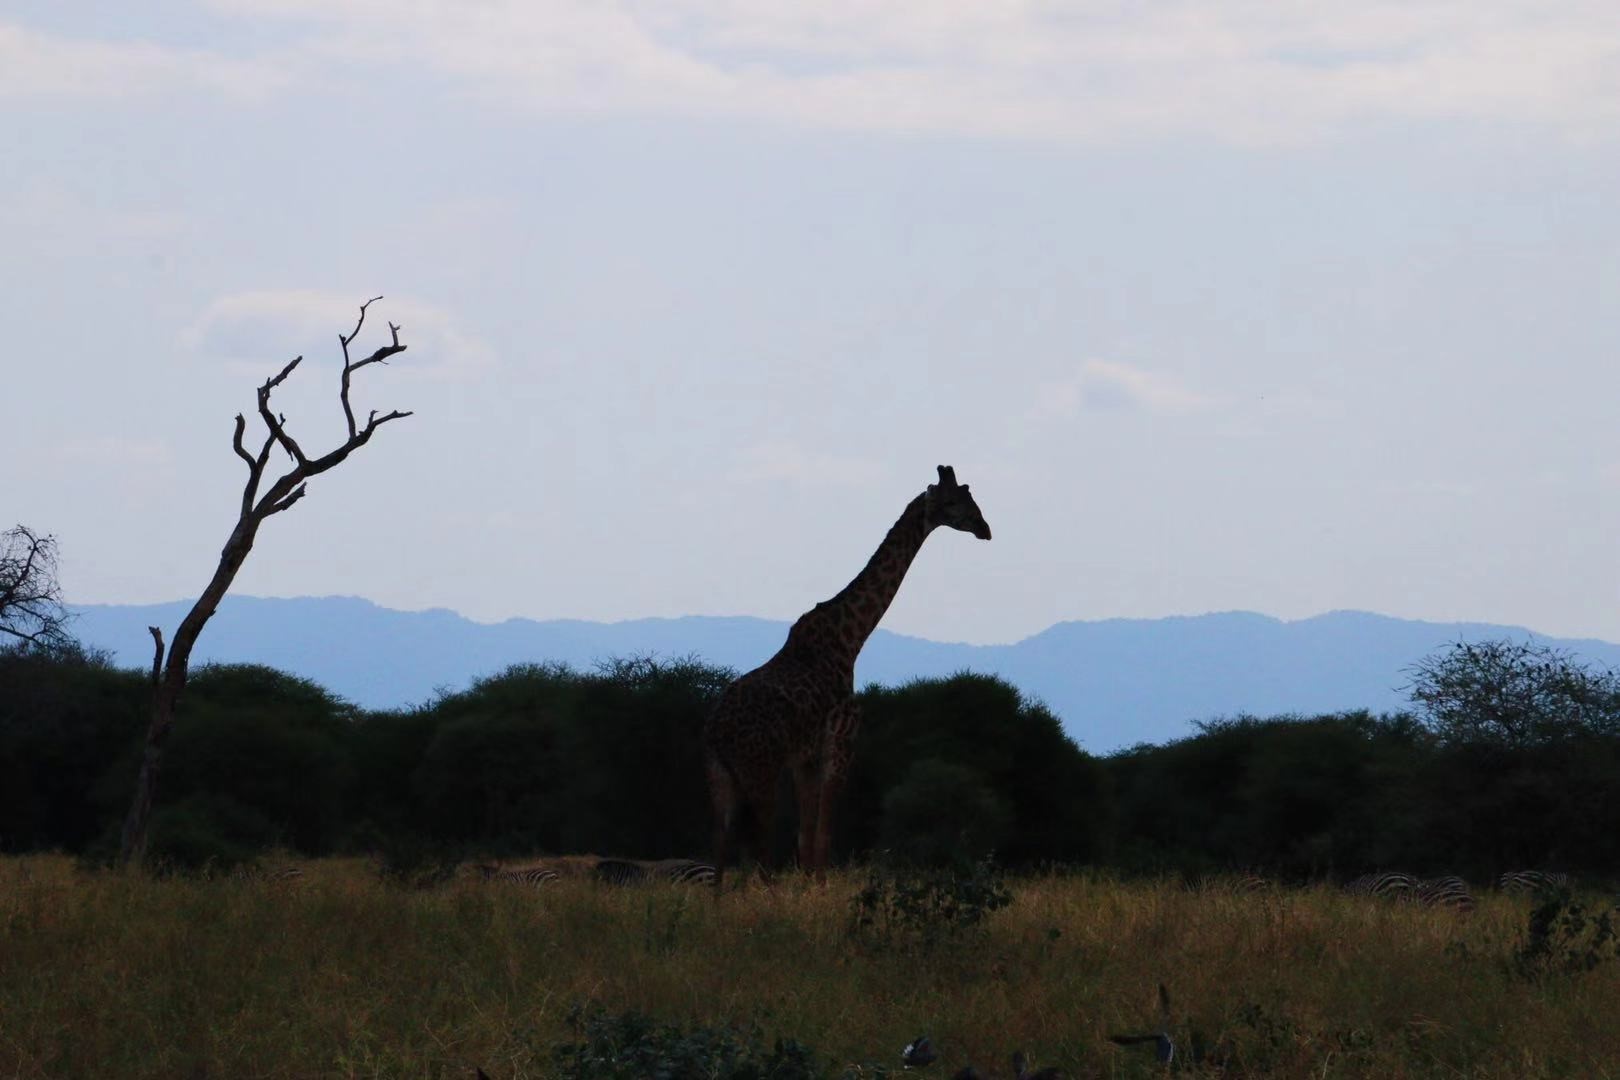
<point x="837" y="751"/>
<point x="807" y="785"/>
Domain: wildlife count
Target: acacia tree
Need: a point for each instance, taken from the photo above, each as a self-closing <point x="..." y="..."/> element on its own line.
<point x="169" y="674"/>
<point x="1512" y="694"/>
<point x="31" y="608"/>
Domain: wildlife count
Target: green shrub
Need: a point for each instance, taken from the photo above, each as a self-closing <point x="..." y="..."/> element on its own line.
<point x="1566" y="937"/>
<point x="207" y="831"/>
<point x="913" y="907"/>
<point x="942" y="813"/>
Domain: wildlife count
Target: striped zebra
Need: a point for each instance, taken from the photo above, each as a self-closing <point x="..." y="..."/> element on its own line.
<point x="682" y="871"/>
<point x="619" y="872"/>
<point x="634" y="872"/>
<point x="1385" y="884"/>
<point x="533" y="876"/>
<point x="1450" y="892"/>
<point x="1236" y="884"/>
<point x="1532" y="881"/>
<point x="276" y="875"/>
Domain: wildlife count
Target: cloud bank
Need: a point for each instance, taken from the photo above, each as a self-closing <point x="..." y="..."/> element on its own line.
<point x="1244" y="71"/>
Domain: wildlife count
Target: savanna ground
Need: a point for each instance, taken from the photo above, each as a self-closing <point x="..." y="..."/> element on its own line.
<point x="342" y="975"/>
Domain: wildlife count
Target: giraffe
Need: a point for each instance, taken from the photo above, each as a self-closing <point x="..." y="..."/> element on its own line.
<point x="798" y="710"/>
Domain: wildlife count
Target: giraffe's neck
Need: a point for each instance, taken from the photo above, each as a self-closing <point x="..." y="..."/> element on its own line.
<point x="840" y="626"/>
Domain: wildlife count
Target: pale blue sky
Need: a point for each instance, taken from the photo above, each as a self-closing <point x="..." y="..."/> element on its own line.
<point x="1216" y="305"/>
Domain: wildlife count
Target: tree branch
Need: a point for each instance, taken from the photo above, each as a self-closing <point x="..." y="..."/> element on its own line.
<point x="30" y="599"/>
<point x="274" y="423"/>
<point x="157" y="655"/>
<point x="282" y="504"/>
<point x="378" y="357"/>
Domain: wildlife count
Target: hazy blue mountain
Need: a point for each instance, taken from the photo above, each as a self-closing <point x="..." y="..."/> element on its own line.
<point x="1115" y="682"/>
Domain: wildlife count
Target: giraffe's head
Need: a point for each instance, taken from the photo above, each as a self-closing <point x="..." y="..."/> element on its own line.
<point x="951" y="504"/>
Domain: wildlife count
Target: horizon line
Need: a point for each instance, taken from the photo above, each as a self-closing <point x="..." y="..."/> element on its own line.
<point x="1098" y="621"/>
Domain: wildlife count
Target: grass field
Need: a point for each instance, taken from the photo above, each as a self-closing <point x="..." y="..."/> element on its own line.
<point x="341" y="975"/>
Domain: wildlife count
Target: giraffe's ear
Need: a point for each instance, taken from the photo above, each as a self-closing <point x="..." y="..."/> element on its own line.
<point x="947" y="475"/>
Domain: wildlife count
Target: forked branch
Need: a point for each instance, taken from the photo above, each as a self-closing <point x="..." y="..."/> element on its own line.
<point x="350" y="367"/>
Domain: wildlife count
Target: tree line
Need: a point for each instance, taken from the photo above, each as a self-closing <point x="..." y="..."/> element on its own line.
<point x="1510" y="758"/>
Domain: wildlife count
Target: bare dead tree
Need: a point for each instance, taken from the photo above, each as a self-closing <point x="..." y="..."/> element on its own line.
<point x="169" y="674"/>
<point x="31" y="608"/>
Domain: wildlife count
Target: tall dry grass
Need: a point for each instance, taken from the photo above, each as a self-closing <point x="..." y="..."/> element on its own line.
<point x="103" y="975"/>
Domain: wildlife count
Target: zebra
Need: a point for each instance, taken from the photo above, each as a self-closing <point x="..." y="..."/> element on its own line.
<point x="524" y="875"/>
<point x="1237" y="883"/>
<point x="632" y="872"/>
<point x="1451" y="892"/>
<point x="682" y="871"/>
<point x="1386" y="884"/>
<point x="278" y="875"/>
<point x="1532" y="881"/>
<point x="619" y="872"/>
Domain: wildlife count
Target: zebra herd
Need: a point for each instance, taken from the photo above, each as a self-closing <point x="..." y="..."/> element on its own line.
<point x="606" y="871"/>
<point x="1450" y="892"/>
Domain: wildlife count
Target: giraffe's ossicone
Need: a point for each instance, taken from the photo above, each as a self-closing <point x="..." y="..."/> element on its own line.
<point x="798" y="711"/>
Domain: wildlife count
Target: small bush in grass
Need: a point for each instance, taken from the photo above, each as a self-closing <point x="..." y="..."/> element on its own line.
<point x="919" y="907"/>
<point x="634" y="1046"/>
<point x="1564" y="936"/>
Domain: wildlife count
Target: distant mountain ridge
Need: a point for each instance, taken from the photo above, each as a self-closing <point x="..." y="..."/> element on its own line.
<point x="1114" y="682"/>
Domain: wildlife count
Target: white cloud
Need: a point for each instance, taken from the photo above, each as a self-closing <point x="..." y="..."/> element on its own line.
<point x="1088" y="70"/>
<point x="1091" y="69"/>
<point x="257" y="331"/>
<point x="1103" y="386"/>
<point x="779" y="460"/>
<point x="35" y="65"/>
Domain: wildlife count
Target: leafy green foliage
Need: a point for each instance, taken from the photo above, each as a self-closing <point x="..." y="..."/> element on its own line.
<point x="908" y="907"/>
<point x="1052" y="796"/>
<point x="542" y="758"/>
<point x="1299" y="796"/>
<point x="208" y="831"/>
<point x="1513" y="694"/>
<point x="941" y="812"/>
<point x="67" y="721"/>
<point x="1565" y="937"/>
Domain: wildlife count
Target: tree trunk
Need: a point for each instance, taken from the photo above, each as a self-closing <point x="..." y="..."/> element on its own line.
<point x="169" y="676"/>
<point x="132" y="844"/>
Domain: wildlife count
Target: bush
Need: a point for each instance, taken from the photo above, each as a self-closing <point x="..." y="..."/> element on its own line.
<point x="1565" y="937"/>
<point x="207" y="831"/>
<point x="918" y="908"/>
<point x="943" y="813"/>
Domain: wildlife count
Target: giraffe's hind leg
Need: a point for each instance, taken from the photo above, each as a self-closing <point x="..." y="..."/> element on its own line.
<point x="745" y="804"/>
<point x="727" y="804"/>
